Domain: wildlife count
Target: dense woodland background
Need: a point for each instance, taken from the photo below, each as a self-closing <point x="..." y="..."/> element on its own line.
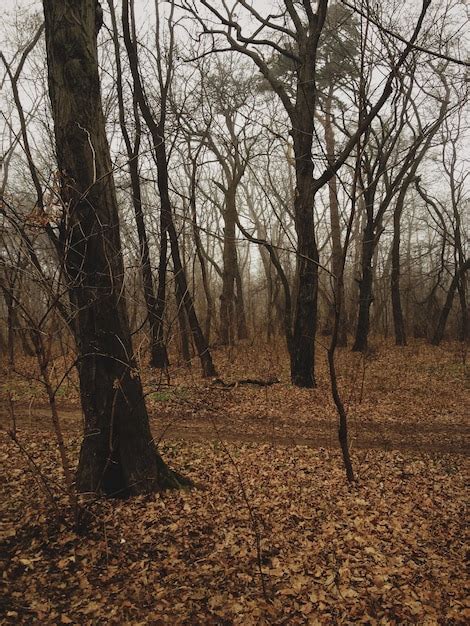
<point x="241" y="222"/>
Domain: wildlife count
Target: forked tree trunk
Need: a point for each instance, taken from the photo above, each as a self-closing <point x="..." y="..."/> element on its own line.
<point x="398" y="321"/>
<point x="117" y="455"/>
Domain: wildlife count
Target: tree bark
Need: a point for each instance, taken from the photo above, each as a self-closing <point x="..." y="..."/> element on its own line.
<point x="117" y="455"/>
<point x="200" y="255"/>
<point x="242" y="327"/>
<point x="305" y="318"/>
<point x="365" y="288"/>
<point x="464" y="325"/>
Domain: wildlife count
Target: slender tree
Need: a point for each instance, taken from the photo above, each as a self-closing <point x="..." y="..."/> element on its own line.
<point x="158" y="353"/>
<point x="158" y="133"/>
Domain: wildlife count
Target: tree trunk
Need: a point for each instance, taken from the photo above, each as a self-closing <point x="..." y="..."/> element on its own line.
<point x="9" y="301"/>
<point x="337" y="250"/>
<point x="161" y="359"/>
<point x="157" y="132"/>
<point x="158" y="355"/>
<point x="117" y="455"/>
<point x="284" y="310"/>
<point x="305" y="319"/>
<point x="183" y="295"/>
<point x="462" y="289"/>
<point x="365" y="289"/>
<point x="242" y="328"/>
<point x="183" y="328"/>
<point x="230" y="267"/>
<point x="302" y="350"/>
<point x="398" y="321"/>
<point x="200" y="256"/>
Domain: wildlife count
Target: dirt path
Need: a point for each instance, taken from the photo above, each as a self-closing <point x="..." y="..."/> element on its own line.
<point x="437" y="437"/>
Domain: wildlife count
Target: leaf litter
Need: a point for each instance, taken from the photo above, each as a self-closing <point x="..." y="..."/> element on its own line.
<point x="389" y="550"/>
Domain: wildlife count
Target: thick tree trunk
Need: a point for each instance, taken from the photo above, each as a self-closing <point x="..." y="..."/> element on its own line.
<point x="302" y="346"/>
<point x="117" y="456"/>
<point x="305" y="320"/>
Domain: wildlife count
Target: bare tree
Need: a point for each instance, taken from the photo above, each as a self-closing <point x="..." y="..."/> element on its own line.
<point x="295" y="35"/>
<point x="158" y="133"/>
<point x="158" y="356"/>
<point x="117" y="456"/>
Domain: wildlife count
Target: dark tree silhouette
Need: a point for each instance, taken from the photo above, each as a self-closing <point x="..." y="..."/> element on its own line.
<point x="117" y="456"/>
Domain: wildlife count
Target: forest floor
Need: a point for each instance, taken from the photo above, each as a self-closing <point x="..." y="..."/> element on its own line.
<point x="272" y="533"/>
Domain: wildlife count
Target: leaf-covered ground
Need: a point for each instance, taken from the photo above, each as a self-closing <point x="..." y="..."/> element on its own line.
<point x="272" y="534"/>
